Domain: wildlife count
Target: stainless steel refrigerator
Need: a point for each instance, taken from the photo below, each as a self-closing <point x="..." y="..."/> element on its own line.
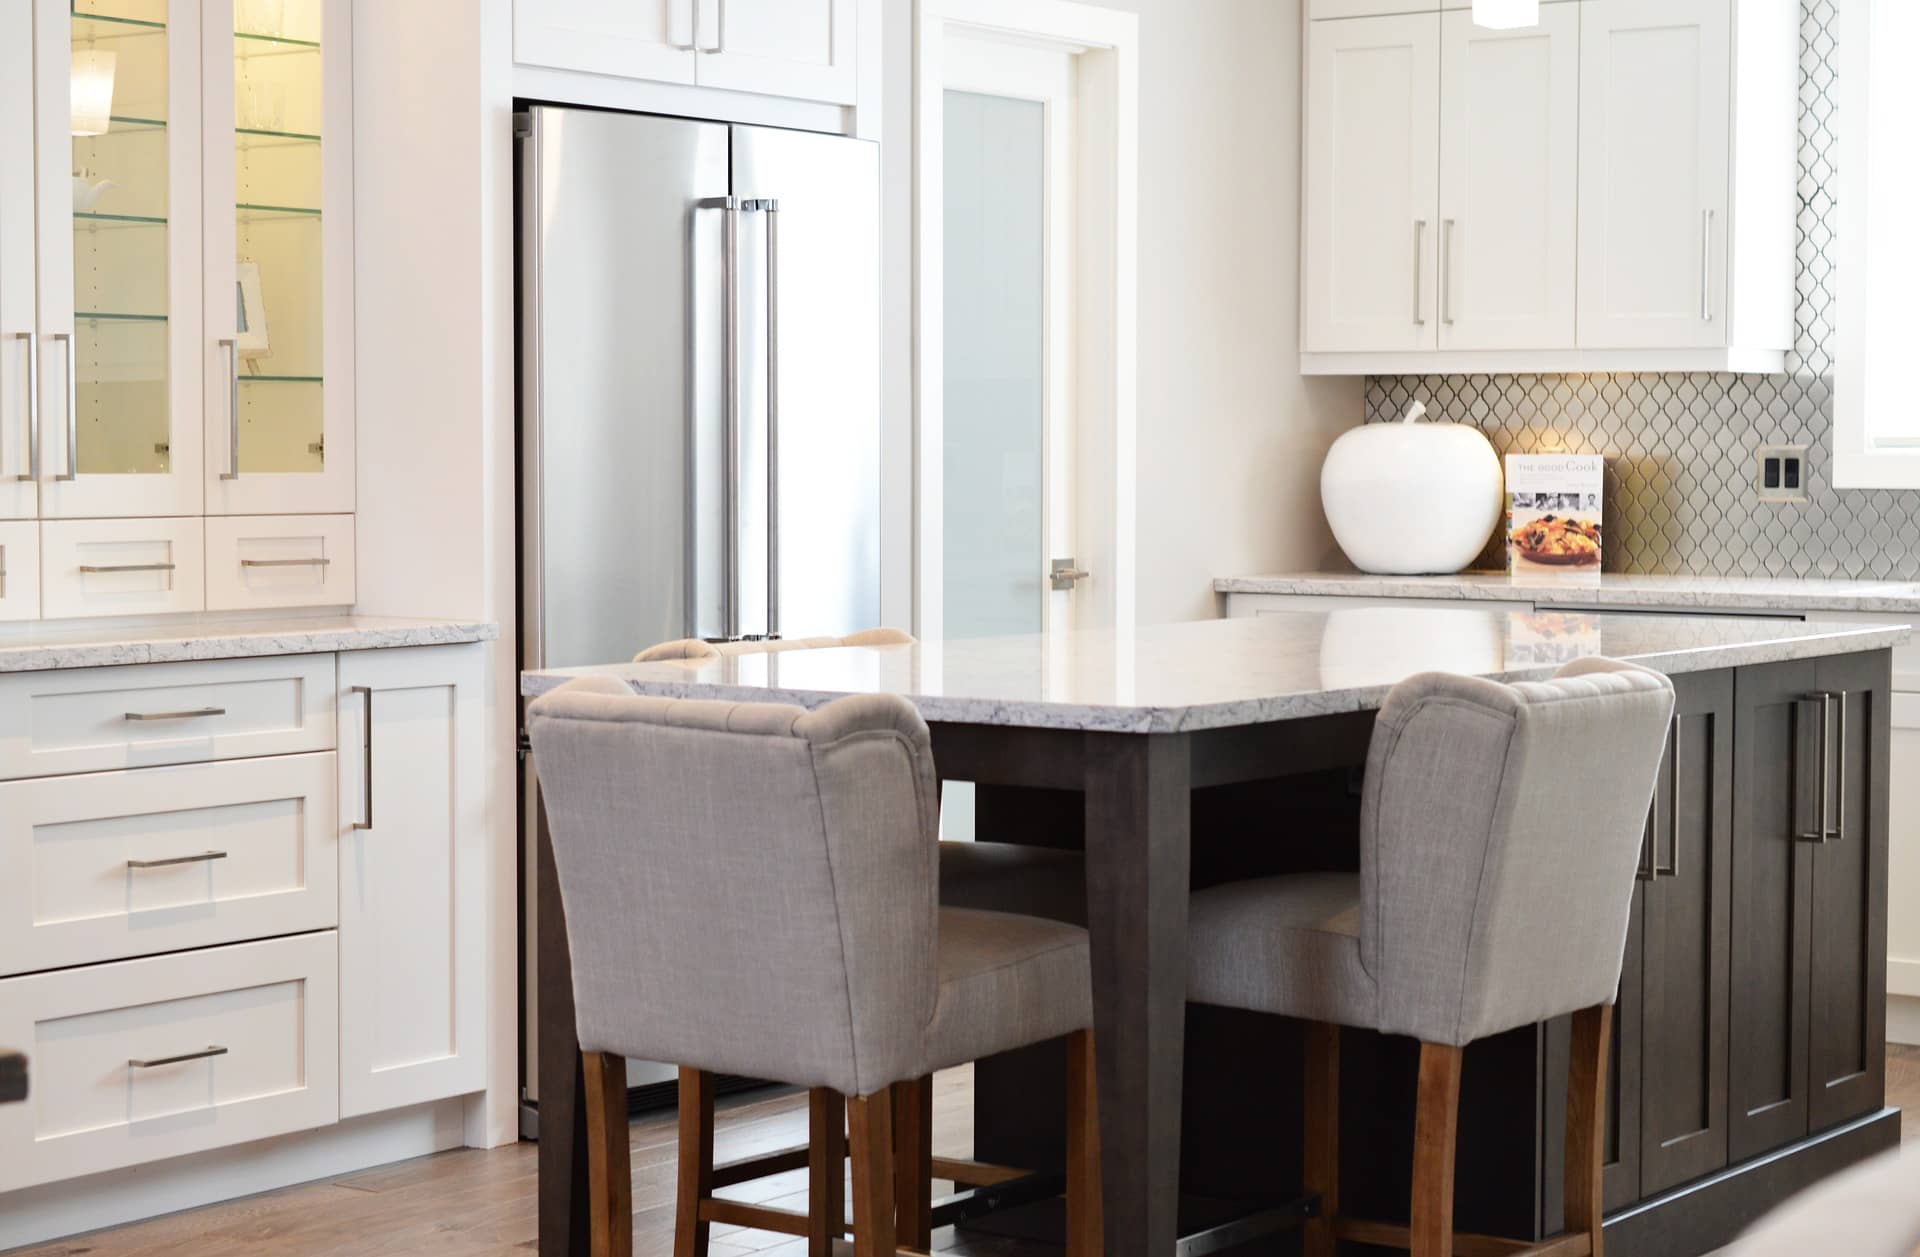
<point x="699" y="394"/>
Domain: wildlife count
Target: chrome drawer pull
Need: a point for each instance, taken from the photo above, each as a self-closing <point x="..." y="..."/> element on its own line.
<point x="196" y="714"/>
<point x="285" y="562"/>
<point x="127" y="567"/>
<point x="366" y="757"/>
<point x="158" y="1061"/>
<point x="202" y="858"/>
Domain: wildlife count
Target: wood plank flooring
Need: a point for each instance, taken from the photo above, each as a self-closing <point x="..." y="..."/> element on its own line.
<point x="471" y="1203"/>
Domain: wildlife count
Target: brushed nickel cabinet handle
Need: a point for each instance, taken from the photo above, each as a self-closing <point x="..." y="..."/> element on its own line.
<point x="1673" y="806"/>
<point x="1648" y="870"/>
<point x="126" y="567"/>
<point x="366" y="757"/>
<point x="202" y="858"/>
<point x="198" y="713"/>
<point x="1839" y="831"/>
<point x="771" y="208"/>
<point x="1822" y="783"/>
<point x="158" y="1061"/>
<point x="1706" y="266"/>
<point x="32" y="472"/>
<point x="233" y="408"/>
<point x="285" y="562"/>
<point x="719" y="29"/>
<point x="693" y="29"/>
<point x="73" y="408"/>
<point x="1446" y="271"/>
<point x="1419" y="253"/>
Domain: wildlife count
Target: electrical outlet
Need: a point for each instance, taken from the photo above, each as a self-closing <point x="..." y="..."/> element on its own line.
<point x="1780" y="473"/>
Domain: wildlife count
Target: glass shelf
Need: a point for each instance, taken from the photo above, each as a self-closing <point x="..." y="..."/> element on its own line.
<point x="276" y="135"/>
<point x="141" y="24"/>
<point x="280" y="379"/>
<point x="284" y="40"/>
<point x="145" y="125"/>
<point x="272" y="213"/>
<point x="124" y="220"/>
<point x="101" y="316"/>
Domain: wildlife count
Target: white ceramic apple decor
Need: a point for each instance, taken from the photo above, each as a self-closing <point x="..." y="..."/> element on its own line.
<point x="1412" y="498"/>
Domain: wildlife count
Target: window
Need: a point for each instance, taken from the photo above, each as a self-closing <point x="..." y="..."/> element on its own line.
<point x="1876" y="415"/>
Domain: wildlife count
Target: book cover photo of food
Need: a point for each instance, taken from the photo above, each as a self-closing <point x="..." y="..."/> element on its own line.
<point x="1553" y="515"/>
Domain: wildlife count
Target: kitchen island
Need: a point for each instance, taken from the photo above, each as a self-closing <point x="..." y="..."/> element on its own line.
<point x="1183" y="755"/>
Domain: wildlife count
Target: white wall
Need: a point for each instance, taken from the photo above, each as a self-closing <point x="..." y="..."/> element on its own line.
<point x="1231" y="435"/>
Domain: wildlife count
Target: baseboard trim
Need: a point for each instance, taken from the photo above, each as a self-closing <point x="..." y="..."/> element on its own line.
<point x="56" y="1210"/>
<point x="1903" y="1019"/>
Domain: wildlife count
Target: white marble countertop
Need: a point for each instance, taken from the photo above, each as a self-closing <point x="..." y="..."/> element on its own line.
<point x="1603" y="590"/>
<point x="32" y="648"/>
<point x="1218" y="673"/>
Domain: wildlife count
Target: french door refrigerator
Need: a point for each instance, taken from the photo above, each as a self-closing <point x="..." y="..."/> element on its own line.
<point x="699" y="397"/>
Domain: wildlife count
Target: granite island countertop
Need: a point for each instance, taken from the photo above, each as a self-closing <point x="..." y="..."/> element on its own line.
<point x="32" y="648"/>
<point x="1218" y="673"/>
<point x="1607" y="591"/>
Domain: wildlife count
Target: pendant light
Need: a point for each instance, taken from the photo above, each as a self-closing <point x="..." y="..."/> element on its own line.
<point x="92" y="91"/>
<point x="1506" y="15"/>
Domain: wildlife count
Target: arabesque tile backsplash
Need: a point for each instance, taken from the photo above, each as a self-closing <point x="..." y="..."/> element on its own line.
<point x="1680" y="448"/>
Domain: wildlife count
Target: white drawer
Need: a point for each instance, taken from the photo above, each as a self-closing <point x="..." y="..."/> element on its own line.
<point x="263" y="561"/>
<point x="121" y="567"/>
<point x="19" y="570"/>
<point x="92" y="719"/>
<point x="109" y="865"/>
<point x="272" y="1007"/>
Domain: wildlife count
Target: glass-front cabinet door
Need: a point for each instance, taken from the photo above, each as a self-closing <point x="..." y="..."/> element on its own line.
<point x="279" y="256"/>
<point x="119" y="289"/>
<point x="19" y="492"/>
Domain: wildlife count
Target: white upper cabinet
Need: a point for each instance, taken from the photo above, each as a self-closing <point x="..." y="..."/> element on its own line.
<point x="637" y="39"/>
<point x="1509" y="181"/>
<point x="798" y="48"/>
<point x="1372" y="184"/>
<point x="1611" y="189"/>
<point x="1655" y="95"/>
<point x="801" y="49"/>
<point x="19" y="490"/>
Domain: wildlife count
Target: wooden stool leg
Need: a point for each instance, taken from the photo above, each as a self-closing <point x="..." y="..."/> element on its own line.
<point x="1320" y="1166"/>
<point x="1586" y="1132"/>
<point x="870" y="1132"/>
<point x="1086" y="1224"/>
<point x="1433" y="1151"/>
<point x="826" y="1170"/>
<point x="696" y="1160"/>
<point x="913" y="1163"/>
<point x="609" y="1156"/>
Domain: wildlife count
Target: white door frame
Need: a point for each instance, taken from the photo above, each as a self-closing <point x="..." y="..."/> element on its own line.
<point x="1105" y="197"/>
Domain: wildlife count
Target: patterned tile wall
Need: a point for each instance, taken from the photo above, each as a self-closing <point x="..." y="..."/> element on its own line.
<point x="1679" y="492"/>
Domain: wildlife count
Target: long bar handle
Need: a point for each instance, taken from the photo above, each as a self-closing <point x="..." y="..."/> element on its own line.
<point x="1673" y="806"/>
<point x="771" y="208"/>
<point x="1706" y="266"/>
<point x="202" y="858"/>
<point x="1649" y="868"/>
<point x="232" y="347"/>
<point x="198" y="713"/>
<point x="1821" y="781"/>
<point x="1446" y="271"/>
<point x="1419" y="256"/>
<point x="158" y="1061"/>
<point x="314" y="562"/>
<point x="33" y="406"/>
<point x="693" y="29"/>
<point x="366" y="757"/>
<point x="92" y="568"/>
<point x="73" y="409"/>
<point x="1839" y="831"/>
<point x="719" y="29"/>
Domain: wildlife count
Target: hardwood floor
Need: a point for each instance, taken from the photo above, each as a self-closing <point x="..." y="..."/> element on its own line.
<point x="481" y="1204"/>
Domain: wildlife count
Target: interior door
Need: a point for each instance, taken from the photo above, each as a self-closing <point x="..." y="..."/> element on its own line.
<point x="117" y="106"/>
<point x="636" y="39"/>
<point x="277" y="339"/>
<point x="19" y="495"/>
<point x="1687" y="966"/>
<point x="1371" y="265"/>
<point x="1509" y="181"/>
<point x="798" y="48"/>
<point x="1655" y="97"/>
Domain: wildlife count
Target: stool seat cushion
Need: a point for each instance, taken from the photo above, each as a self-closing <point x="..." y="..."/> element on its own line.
<point x="1005" y="981"/>
<point x="1287" y="945"/>
<point x="1006" y="877"/>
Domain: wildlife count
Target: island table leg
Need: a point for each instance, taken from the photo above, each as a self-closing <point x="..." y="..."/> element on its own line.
<point x="1138" y="805"/>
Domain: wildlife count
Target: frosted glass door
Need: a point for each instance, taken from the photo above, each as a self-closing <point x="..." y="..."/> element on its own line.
<point x="279" y="257"/>
<point x="995" y="356"/>
<point x="119" y="277"/>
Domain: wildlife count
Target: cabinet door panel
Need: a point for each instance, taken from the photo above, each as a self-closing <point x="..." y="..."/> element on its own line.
<point x="1688" y="964"/>
<point x="119" y="278"/>
<point x="1767" y="1079"/>
<point x="1846" y="1052"/>
<point x="19" y="570"/>
<point x="799" y="48"/>
<point x="1373" y="135"/>
<point x="412" y="877"/>
<point x="1509" y="144"/>
<point x="1655" y="84"/>
<point x="18" y="498"/>
<point x="1620" y="1160"/>
<point x="635" y="39"/>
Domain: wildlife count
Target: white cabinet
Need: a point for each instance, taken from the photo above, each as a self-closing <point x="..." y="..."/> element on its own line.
<point x="1509" y="181"/>
<point x="19" y="570"/>
<point x="92" y="567"/>
<point x="258" y="561"/>
<point x="1372" y="184"/>
<point x="802" y="49"/>
<point x="19" y="494"/>
<point x="1612" y="189"/>
<point x="412" y="868"/>
<point x="1655" y="95"/>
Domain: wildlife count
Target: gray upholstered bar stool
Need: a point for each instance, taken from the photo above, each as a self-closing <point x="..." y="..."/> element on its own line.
<point x="998" y="876"/>
<point x="752" y="889"/>
<point x="1499" y="834"/>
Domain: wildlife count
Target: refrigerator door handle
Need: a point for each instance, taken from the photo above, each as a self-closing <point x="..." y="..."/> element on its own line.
<point x="730" y="420"/>
<point x="771" y="208"/>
